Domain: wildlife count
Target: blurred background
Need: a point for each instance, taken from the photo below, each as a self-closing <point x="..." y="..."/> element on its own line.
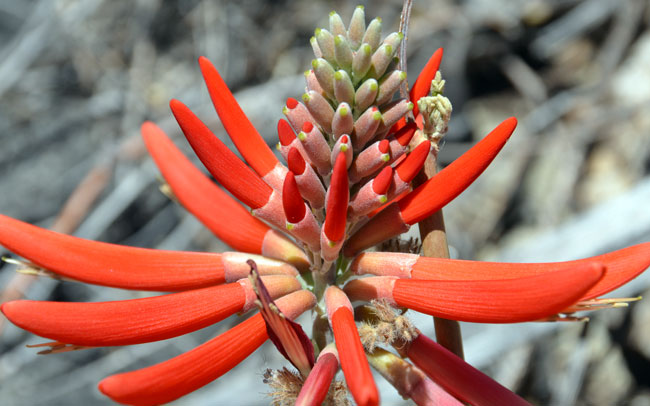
<point x="77" y="78"/>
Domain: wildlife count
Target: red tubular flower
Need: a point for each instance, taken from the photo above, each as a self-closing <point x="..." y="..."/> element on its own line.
<point x="527" y="298"/>
<point x="229" y="170"/>
<point x="294" y="206"/>
<point x="338" y="197"/>
<point x="171" y="379"/>
<point x="318" y="382"/>
<point x="248" y="141"/>
<point x="422" y="84"/>
<point x="125" y="267"/>
<point x="458" y="377"/>
<point x="622" y="266"/>
<point x="435" y="193"/>
<point x="216" y="209"/>
<point x="138" y="321"/>
<point x="351" y="354"/>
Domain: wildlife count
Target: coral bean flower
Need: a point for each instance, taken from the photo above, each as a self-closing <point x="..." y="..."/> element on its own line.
<point x="298" y="234"/>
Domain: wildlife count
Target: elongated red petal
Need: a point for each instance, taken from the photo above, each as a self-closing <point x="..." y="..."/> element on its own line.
<point x="351" y="354"/>
<point x="457" y="376"/>
<point x="229" y="170"/>
<point x="317" y="384"/>
<point x="109" y="264"/>
<point x="248" y="141"/>
<point x="294" y="206"/>
<point x="337" y="201"/>
<point x="422" y="84"/>
<point x="410" y="167"/>
<point x="226" y="218"/>
<point x="622" y="266"/>
<point x="171" y="379"/>
<point x="435" y="193"/>
<point x="499" y="301"/>
<point x="139" y="320"/>
<point x="484" y="301"/>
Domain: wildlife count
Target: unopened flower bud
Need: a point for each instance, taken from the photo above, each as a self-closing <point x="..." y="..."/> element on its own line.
<point x="325" y="74"/>
<point x="366" y="94"/>
<point x="343" y="121"/>
<point x="361" y="63"/>
<point x="343" y="88"/>
<point x="343" y="52"/>
<point x="389" y="85"/>
<point x="336" y="24"/>
<point x="372" y="36"/>
<point x="357" y="28"/>
<point x="320" y="109"/>
<point x="325" y="41"/>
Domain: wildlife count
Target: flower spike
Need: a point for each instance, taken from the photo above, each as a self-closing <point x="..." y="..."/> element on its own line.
<point x="246" y="138"/>
<point x="171" y="379"/>
<point x="231" y="172"/>
<point x="435" y="193"/>
<point x="351" y="354"/>
<point x="225" y="217"/>
<point x="138" y="321"/>
<point x="484" y="301"/>
<point x="457" y="376"/>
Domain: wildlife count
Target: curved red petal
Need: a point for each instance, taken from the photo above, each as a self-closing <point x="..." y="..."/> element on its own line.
<point x="457" y="376"/>
<point x="248" y="141"/>
<point x="138" y="321"/>
<point x="317" y="384"/>
<point x="225" y="217"/>
<point x="171" y="379"/>
<point x="229" y="170"/>
<point x="622" y="266"/>
<point x="435" y="193"/>
<point x="109" y="264"/>
<point x="498" y="301"/>
<point x="422" y="84"/>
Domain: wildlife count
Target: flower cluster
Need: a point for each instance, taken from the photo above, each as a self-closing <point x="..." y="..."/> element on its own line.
<point x="352" y="150"/>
